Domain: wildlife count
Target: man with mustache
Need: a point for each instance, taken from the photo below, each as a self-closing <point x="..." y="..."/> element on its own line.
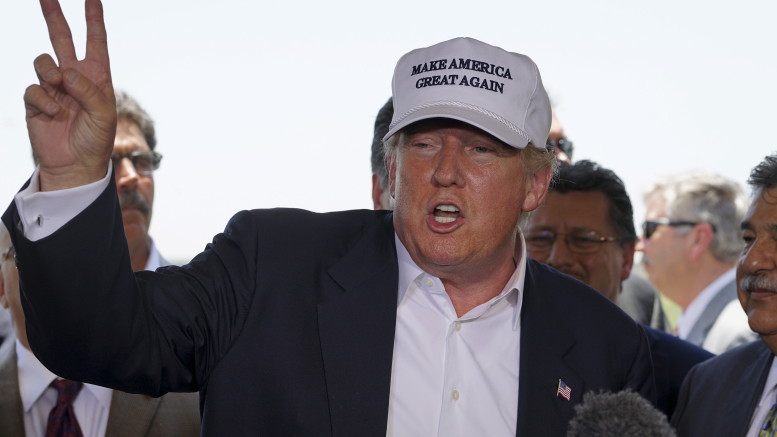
<point x="585" y="229"/>
<point x="135" y="159"/>
<point x="735" y="394"/>
<point x="27" y="394"/>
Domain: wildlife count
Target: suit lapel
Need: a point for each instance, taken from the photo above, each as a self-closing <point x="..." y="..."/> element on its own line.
<point x="707" y="318"/>
<point x="546" y="347"/>
<point x="357" y="317"/>
<point x="755" y="373"/>
<point x="11" y="410"/>
<point x="130" y="415"/>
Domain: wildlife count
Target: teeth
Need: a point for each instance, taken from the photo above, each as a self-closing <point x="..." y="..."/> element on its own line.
<point x="444" y="219"/>
<point x="448" y="208"/>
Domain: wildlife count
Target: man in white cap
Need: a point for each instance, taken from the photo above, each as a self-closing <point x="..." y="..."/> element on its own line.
<point x="427" y="321"/>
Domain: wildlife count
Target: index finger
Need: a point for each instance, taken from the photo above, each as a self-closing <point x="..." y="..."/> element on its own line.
<point x="59" y="31"/>
<point x="96" y="36"/>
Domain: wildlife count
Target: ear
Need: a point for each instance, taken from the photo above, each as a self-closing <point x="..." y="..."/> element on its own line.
<point x="628" y="260"/>
<point x="701" y="239"/>
<point x="537" y="188"/>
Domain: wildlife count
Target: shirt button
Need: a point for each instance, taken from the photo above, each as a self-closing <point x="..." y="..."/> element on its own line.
<point x="455" y="395"/>
<point x="429" y="282"/>
<point x="457" y="326"/>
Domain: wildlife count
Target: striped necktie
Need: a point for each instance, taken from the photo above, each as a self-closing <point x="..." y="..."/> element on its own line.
<point x="769" y="429"/>
<point x="62" y="419"/>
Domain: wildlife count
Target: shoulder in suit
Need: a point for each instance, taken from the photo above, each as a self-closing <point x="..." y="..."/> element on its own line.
<point x="718" y="396"/>
<point x="673" y="358"/>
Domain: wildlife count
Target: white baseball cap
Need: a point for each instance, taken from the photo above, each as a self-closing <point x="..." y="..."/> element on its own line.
<point x="468" y="80"/>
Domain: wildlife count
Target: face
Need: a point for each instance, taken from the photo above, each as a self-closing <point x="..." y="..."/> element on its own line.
<point x="9" y="288"/>
<point x="663" y="253"/>
<point x="136" y="191"/>
<point x="757" y="267"/>
<point x="586" y="211"/>
<point x="459" y="194"/>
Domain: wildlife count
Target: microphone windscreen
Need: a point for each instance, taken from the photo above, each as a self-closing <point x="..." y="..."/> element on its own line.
<point x="618" y="414"/>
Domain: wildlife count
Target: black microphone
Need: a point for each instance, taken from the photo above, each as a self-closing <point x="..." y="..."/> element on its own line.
<point x="616" y="415"/>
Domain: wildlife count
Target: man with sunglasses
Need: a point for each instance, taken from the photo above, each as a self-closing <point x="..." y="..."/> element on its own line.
<point x="585" y="229"/>
<point x="690" y="243"/>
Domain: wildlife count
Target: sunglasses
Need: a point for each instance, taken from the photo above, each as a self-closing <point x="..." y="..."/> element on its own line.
<point x="649" y="226"/>
<point x="562" y="144"/>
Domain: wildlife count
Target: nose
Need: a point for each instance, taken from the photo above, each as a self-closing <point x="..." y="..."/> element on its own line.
<point x="447" y="171"/>
<point x="760" y="256"/>
<point x="559" y="254"/>
<point x="126" y="175"/>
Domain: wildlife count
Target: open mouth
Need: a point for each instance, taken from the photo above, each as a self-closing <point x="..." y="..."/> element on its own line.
<point x="446" y="214"/>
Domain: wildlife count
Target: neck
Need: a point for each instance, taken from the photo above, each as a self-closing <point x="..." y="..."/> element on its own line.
<point x="139" y="255"/>
<point x="468" y="291"/>
<point x="700" y="276"/>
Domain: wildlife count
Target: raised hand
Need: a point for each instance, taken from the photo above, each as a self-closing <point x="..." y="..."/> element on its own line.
<point x="71" y="114"/>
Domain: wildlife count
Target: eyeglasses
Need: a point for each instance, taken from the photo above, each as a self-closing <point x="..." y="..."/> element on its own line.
<point x="577" y="241"/>
<point x="144" y="163"/>
<point x="7" y="253"/>
<point x="562" y="144"/>
<point x="649" y="226"/>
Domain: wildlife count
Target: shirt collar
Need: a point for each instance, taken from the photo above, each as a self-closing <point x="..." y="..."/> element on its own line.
<point x="769" y="395"/>
<point x="694" y="311"/>
<point x="512" y="292"/>
<point x="35" y="378"/>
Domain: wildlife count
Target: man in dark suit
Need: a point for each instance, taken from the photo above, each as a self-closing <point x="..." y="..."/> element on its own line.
<point x="125" y="414"/>
<point x="736" y="392"/>
<point x="585" y="228"/>
<point x="430" y="320"/>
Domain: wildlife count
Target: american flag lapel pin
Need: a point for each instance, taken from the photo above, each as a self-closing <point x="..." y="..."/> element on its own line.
<point x="563" y="390"/>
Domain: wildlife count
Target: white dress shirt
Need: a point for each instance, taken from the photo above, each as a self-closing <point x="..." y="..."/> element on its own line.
<point x="92" y="405"/>
<point x="768" y="398"/>
<point x="454" y="376"/>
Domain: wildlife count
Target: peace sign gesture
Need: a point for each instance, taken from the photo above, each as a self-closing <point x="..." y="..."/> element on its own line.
<point x="71" y="113"/>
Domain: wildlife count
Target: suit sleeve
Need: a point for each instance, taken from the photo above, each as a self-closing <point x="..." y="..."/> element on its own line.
<point x="89" y="318"/>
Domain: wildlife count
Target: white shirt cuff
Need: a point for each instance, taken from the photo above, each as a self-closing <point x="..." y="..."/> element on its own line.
<point x="43" y="213"/>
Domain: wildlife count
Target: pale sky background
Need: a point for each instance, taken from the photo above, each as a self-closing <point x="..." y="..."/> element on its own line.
<point x="265" y="104"/>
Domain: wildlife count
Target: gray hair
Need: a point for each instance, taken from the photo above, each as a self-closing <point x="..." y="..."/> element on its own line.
<point x="129" y="108"/>
<point x="708" y="198"/>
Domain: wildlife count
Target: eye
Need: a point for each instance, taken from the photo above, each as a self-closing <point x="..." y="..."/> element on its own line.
<point x="483" y="149"/>
<point x="748" y="237"/>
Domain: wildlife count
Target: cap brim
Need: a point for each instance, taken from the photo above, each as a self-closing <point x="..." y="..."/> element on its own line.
<point x="473" y="115"/>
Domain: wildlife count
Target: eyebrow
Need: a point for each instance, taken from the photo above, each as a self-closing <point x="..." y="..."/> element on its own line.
<point x="748" y="226"/>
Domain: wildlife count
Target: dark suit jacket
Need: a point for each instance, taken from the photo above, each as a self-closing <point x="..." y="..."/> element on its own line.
<point x="672" y="359"/>
<point x="719" y="395"/>
<point x="285" y="323"/>
<point x="175" y="414"/>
